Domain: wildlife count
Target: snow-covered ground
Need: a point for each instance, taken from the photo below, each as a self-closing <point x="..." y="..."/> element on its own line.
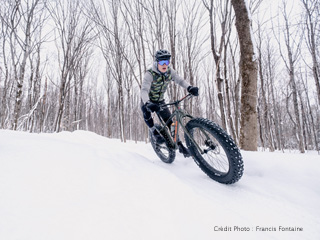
<point x="83" y="186"/>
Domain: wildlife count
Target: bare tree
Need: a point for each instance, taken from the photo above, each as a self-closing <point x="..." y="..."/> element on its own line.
<point x="21" y="25"/>
<point x="235" y="94"/>
<point x="309" y="114"/>
<point x="112" y="42"/>
<point x="156" y="24"/>
<point x="274" y="113"/>
<point x="80" y="74"/>
<point x="72" y="91"/>
<point x="248" y="68"/>
<point x="215" y="8"/>
<point x="4" y="70"/>
<point x="265" y="129"/>
<point x="75" y="34"/>
<point x="191" y="48"/>
<point x="171" y="10"/>
<point x="293" y="50"/>
<point x="312" y="18"/>
<point x="209" y="90"/>
<point x="133" y="13"/>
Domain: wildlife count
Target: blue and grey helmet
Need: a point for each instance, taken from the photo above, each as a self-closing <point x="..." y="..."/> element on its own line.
<point x="162" y="54"/>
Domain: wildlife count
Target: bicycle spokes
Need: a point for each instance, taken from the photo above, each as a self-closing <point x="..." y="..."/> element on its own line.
<point x="211" y="147"/>
<point x="211" y="151"/>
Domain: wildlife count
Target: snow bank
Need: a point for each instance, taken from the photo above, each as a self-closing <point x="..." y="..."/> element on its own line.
<point x="83" y="186"/>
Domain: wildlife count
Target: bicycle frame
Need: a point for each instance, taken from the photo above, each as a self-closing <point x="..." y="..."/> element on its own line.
<point x="180" y="115"/>
<point x="212" y="149"/>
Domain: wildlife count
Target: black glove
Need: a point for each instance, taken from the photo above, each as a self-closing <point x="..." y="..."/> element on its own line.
<point x="193" y="90"/>
<point x="153" y="107"/>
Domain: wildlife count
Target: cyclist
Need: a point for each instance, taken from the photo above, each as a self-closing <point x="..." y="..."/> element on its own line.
<point x="153" y="88"/>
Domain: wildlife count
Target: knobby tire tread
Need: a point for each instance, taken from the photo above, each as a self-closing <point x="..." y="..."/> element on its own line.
<point x="171" y="150"/>
<point x="233" y="154"/>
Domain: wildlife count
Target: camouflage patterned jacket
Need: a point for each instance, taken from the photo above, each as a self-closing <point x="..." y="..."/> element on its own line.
<point x="155" y="84"/>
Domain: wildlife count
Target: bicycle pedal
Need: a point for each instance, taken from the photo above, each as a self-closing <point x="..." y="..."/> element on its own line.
<point x="184" y="151"/>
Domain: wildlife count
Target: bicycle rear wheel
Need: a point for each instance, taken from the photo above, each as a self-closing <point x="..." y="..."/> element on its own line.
<point x="218" y="156"/>
<point x="166" y="153"/>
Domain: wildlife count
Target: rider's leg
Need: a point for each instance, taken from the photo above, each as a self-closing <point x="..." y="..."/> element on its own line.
<point x="149" y="121"/>
<point x="165" y="114"/>
<point x="147" y="116"/>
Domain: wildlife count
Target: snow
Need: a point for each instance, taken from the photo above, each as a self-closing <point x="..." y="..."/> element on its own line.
<point x="83" y="186"/>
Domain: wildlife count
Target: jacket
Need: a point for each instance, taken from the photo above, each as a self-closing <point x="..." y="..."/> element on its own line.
<point x="155" y="83"/>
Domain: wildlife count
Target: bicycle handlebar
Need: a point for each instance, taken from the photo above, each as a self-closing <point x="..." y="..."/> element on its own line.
<point x="178" y="101"/>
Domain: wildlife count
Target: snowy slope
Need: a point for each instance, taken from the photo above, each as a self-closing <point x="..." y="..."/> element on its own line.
<point x="83" y="186"/>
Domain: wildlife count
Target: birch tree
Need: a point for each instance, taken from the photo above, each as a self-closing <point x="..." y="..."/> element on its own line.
<point x="22" y="25"/>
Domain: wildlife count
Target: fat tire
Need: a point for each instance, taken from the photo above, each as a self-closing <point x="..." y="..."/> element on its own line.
<point x="225" y="143"/>
<point x="169" y="158"/>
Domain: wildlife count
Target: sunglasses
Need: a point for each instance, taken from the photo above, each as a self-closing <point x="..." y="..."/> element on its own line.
<point x="166" y="62"/>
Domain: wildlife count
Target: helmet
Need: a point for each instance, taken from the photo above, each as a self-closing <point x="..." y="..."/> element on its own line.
<point x="162" y="55"/>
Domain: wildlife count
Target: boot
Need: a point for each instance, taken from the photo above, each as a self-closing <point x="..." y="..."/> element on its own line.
<point x="183" y="150"/>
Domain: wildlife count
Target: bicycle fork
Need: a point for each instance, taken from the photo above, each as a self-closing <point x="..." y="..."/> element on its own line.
<point x="208" y="142"/>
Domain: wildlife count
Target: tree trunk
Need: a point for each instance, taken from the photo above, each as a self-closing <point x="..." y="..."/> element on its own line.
<point x="311" y="24"/>
<point x="311" y="113"/>
<point x="292" y="57"/>
<point x="248" y="69"/>
<point x="217" y="53"/>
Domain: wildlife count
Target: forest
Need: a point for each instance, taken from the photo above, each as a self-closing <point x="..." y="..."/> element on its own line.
<point x="69" y="65"/>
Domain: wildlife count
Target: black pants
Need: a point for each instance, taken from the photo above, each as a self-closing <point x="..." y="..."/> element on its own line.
<point x="164" y="114"/>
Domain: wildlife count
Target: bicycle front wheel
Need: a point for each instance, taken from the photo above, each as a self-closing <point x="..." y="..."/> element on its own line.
<point x="214" y="151"/>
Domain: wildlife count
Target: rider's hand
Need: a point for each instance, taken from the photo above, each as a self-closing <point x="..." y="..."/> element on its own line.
<point x="193" y="90"/>
<point x="153" y="107"/>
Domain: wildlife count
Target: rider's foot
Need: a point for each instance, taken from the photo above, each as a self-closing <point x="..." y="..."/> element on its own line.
<point x="157" y="136"/>
<point x="183" y="150"/>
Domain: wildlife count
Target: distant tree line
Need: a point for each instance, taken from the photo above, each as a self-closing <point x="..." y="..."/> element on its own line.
<point x="75" y="64"/>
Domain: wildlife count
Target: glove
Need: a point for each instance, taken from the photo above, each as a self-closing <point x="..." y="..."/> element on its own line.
<point x="153" y="107"/>
<point x="193" y="90"/>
